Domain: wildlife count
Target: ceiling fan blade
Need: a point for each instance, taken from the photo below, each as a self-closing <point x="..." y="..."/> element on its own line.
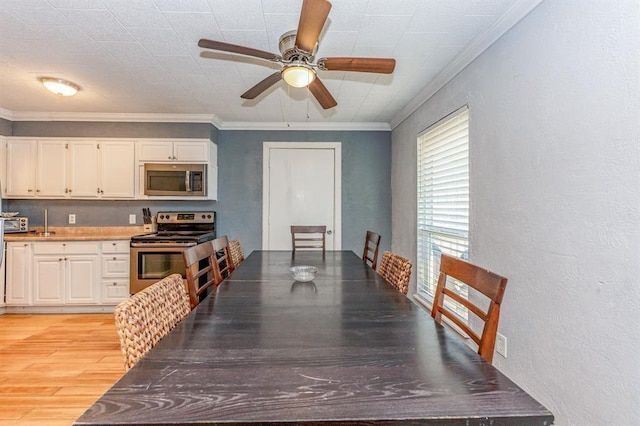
<point x="241" y="50"/>
<point x="378" y="65"/>
<point x="313" y="15"/>
<point x="322" y="94"/>
<point x="262" y="86"/>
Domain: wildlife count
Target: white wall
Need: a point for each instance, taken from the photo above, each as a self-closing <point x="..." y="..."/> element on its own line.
<point x="555" y="200"/>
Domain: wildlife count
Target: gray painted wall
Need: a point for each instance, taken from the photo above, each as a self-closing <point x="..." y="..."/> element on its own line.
<point x="366" y="183"/>
<point x="5" y="127"/>
<point x="555" y="196"/>
<point x="366" y="176"/>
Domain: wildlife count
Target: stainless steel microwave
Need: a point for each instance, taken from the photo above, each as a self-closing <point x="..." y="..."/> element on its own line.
<point x="182" y="180"/>
<point x="16" y="224"/>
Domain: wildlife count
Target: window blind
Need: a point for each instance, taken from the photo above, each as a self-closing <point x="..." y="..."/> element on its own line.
<point x="443" y="201"/>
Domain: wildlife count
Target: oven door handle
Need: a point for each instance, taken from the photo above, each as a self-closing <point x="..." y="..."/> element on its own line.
<point x="162" y="245"/>
<point x="187" y="181"/>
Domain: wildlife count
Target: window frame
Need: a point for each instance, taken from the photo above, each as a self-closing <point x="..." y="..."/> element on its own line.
<point x="426" y="262"/>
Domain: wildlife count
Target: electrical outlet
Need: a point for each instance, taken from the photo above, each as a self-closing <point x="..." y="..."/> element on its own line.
<point x="132" y="219"/>
<point x="72" y="219"/>
<point x="501" y="345"/>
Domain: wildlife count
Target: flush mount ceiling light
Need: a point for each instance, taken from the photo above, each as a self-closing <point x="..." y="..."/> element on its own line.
<point x="298" y="74"/>
<point x="59" y="86"/>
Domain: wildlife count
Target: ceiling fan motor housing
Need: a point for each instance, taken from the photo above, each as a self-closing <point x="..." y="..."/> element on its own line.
<point x="290" y="52"/>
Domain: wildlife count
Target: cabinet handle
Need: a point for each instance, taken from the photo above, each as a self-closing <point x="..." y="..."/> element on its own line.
<point x="169" y="157"/>
<point x="98" y="190"/>
<point x="66" y="258"/>
<point x="64" y="244"/>
<point x="101" y="191"/>
<point x="113" y="244"/>
<point x="37" y="190"/>
<point x="66" y="190"/>
<point x="70" y="191"/>
<point x="29" y="190"/>
<point x="114" y="258"/>
<point x="115" y="283"/>
<point x="60" y="260"/>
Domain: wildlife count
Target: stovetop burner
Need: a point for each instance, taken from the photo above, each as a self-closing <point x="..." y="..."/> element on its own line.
<point x="180" y="228"/>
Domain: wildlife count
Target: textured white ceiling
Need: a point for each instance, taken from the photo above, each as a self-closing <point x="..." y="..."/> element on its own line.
<point x="141" y="56"/>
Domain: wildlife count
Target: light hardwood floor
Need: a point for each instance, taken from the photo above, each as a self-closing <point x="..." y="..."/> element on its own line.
<point x="53" y="367"/>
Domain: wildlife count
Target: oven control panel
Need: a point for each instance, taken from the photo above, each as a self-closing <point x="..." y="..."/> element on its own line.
<point x="186" y="217"/>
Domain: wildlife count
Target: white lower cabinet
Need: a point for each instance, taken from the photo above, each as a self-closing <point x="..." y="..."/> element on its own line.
<point x="67" y="273"/>
<point x="18" y="274"/>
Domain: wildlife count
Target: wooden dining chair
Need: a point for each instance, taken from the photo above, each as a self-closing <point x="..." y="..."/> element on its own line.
<point x="200" y="272"/>
<point x="223" y="265"/>
<point x="308" y="238"/>
<point x="370" y="251"/>
<point x="235" y="250"/>
<point x="486" y="282"/>
<point x="145" y="318"/>
<point x="397" y="270"/>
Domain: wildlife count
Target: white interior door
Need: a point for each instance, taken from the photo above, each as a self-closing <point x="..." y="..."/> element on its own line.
<point x="301" y="187"/>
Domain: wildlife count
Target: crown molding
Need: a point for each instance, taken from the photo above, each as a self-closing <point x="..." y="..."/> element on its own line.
<point x="188" y="118"/>
<point x="6" y="114"/>
<point x="474" y="49"/>
<point x="112" y="117"/>
<point x="318" y="126"/>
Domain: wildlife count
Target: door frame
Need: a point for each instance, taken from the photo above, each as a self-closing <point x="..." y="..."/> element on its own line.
<point x="337" y="178"/>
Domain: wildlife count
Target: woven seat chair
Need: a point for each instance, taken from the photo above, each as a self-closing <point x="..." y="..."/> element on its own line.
<point x="396" y="269"/>
<point x="147" y="316"/>
<point x="485" y="282"/>
<point x="235" y="250"/>
<point x="370" y="251"/>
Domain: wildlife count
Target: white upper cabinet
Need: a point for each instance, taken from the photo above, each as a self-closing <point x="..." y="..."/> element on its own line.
<point x="21" y="168"/>
<point x="117" y="169"/>
<point x="192" y="151"/>
<point x="83" y="169"/>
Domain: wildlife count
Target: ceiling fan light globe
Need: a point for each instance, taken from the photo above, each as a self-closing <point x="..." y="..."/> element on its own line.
<point x="298" y="75"/>
<point x="60" y="87"/>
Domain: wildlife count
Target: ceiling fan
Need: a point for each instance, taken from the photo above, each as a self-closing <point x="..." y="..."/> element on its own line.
<point x="297" y="55"/>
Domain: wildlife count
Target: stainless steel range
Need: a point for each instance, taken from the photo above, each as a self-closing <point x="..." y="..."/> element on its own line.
<point x="159" y="254"/>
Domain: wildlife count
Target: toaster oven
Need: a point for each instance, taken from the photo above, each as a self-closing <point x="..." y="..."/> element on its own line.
<point x="16" y="224"/>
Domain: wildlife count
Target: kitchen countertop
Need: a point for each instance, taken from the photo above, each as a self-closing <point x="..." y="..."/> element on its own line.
<point x="78" y="233"/>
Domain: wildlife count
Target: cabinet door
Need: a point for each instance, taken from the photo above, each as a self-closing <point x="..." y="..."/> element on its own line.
<point x="82" y="280"/>
<point x="83" y="173"/>
<point x="117" y="169"/>
<point x="155" y="151"/>
<point x="48" y="280"/>
<point x="21" y="168"/>
<point x="52" y="169"/>
<point x="192" y="151"/>
<point x="18" y="283"/>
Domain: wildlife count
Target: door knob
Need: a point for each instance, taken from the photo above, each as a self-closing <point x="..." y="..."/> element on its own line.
<point x="329" y="232"/>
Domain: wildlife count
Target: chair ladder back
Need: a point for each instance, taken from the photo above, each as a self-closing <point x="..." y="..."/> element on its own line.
<point x="487" y="283"/>
<point x="199" y="271"/>
<point x="306" y="237"/>
<point x="370" y="251"/>
<point x="223" y="264"/>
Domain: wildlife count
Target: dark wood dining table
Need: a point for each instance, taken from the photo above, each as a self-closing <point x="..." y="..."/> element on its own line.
<point x="345" y="348"/>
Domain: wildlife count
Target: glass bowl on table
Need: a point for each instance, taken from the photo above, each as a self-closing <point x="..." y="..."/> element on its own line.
<point x="303" y="273"/>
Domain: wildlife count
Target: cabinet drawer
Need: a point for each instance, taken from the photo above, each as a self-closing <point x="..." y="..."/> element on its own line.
<point x="115" y="265"/>
<point x="115" y="246"/>
<point x="65" y="248"/>
<point x="114" y="291"/>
